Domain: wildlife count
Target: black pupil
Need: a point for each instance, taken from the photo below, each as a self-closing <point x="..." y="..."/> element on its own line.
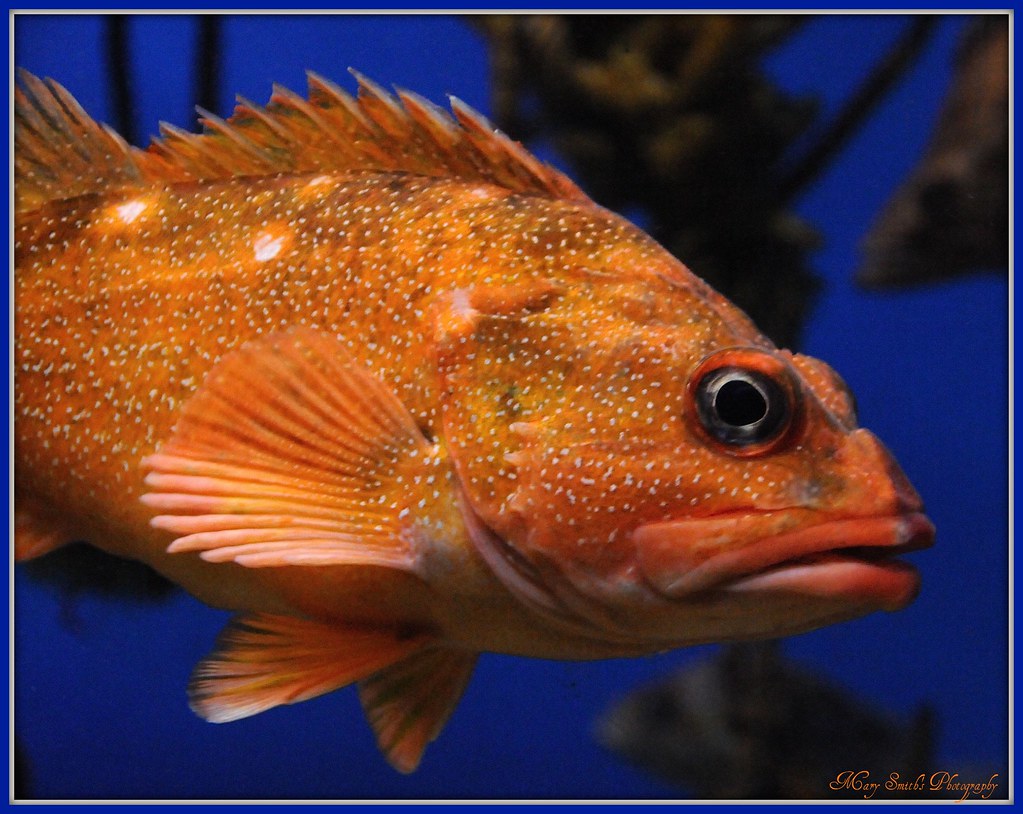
<point x="741" y="406"/>
<point x="740" y="403"/>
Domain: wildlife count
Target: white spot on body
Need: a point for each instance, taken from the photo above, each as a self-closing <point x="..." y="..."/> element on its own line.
<point x="129" y="212"/>
<point x="267" y="246"/>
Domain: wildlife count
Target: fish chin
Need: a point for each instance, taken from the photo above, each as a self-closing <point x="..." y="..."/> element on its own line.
<point x="848" y="560"/>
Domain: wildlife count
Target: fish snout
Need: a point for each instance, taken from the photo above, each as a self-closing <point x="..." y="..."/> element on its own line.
<point x="876" y="483"/>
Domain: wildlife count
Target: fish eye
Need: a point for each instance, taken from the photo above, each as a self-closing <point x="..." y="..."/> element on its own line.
<point x="743" y="401"/>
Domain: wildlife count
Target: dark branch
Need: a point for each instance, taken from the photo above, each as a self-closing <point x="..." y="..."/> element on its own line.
<point x="119" y="68"/>
<point x="208" y="52"/>
<point x="858" y="108"/>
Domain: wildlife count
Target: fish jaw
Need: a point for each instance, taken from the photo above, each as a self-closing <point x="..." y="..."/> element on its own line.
<point x="845" y="559"/>
<point x="839" y="544"/>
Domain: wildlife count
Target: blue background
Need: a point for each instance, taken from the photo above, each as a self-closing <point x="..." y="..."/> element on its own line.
<point x="101" y="711"/>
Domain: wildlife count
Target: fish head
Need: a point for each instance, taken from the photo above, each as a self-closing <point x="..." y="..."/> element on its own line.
<point x="681" y="479"/>
<point x="803" y="512"/>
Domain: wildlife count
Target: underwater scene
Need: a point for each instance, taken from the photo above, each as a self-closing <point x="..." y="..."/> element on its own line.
<point x="842" y="179"/>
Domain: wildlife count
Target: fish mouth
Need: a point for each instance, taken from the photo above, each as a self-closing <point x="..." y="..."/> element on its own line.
<point x="850" y="559"/>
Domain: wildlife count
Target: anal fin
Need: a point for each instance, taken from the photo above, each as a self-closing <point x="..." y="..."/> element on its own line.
<point x="408" y="703"/>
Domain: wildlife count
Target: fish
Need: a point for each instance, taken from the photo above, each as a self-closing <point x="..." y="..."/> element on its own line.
<point x="751" y="723"/>
<point x="372" y="377"/>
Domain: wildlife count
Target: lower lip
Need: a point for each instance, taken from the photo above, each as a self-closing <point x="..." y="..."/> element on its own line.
<point x="887" y="585"/>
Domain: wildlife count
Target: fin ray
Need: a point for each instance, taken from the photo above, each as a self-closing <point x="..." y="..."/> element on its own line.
<point x="407" y="704"/>
<point x="291" y="453"/>
<point x="261" y="661"/>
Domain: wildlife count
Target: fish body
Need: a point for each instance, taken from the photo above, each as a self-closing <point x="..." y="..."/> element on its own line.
<point x="398" y="394"/>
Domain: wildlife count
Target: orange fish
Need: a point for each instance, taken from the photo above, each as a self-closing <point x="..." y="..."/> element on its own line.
<point x="398" y="393"/>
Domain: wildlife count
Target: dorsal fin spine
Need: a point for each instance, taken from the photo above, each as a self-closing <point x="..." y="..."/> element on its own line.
<point x="246" y="108"/>
<point x="333" y="95"/>
<point x="285" y="99"/>
<point x="430" y="117"/>
<point x="213" y="123"/>
<point x="178" y="144"/>
<point x="381" y="107"/>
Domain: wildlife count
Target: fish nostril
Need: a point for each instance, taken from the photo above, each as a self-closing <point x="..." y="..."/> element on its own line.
<point x="897" y="489"/>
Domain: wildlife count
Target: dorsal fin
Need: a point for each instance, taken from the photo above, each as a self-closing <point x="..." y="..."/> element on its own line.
<point x="61" y="152"/>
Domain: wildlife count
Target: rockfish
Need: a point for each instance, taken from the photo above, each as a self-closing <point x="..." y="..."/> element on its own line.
<point x="398" y="393"/>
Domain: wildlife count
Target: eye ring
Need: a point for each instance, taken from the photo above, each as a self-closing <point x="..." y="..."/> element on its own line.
<point x="744" y="401"/>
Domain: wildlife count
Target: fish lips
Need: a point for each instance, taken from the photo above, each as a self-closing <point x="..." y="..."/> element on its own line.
<point x="846" y="559"/>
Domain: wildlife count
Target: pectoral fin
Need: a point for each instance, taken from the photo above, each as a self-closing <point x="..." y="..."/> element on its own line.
<point x="408" y="703"/>
<point x="292" y="453"/>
